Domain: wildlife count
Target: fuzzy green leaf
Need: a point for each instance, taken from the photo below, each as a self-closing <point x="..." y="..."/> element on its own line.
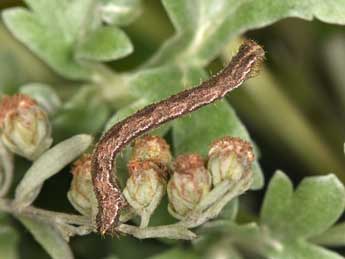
<point x="335" y="236"/>
<point x="48" y="164"/>
<point x="120" y="12"/>
<point x="230" y="210"/>
<point x="249" y="231"/>
<point x="203" y="27"/>
<point x="104" y="44"/>
<point x="176" y="253"/>
<point x="48" y="237"/>
<point x="302" y="250"/>
<point x="44" y="95"/>
<point x="85" y="112"/>
<point x="291" y="217"/>
<point x="50" y="43"/>
<point x="315" y="205"/>
<point x="128" y="247"/>
<point x="55" y="29"/>
<point x="8" y="239"/>
<point x="277" y="200"/>
<point x="292" y="220"/>
<point x="157" y="83"/>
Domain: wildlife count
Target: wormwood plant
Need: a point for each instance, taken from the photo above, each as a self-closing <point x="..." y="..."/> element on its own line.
<point x="53" y="126"/>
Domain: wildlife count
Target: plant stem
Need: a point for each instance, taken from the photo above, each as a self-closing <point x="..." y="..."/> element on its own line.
<point x="46" y="215"/>
<point x="170" y="231"/>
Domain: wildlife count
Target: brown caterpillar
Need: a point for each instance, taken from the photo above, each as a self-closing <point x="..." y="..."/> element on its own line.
<point x="109" y="195"/>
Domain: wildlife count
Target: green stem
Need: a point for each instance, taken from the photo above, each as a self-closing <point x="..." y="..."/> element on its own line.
<point x="46" y="215"/>
<point x="168" y="231"/>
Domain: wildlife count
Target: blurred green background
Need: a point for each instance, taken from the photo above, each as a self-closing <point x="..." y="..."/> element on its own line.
<point x="294" y="111"/>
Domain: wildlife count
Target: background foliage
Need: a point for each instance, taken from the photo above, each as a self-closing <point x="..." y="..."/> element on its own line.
<point x="153" y="49"/>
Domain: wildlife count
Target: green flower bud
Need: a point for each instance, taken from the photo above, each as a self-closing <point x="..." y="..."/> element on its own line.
<point x="24" y="126"/>
<point x="189" y="183"/>
<point x="146" y="183"/>
<point x="230" y="158"/>
<point x="81" y="194"/>
<point x="152" y="148"/>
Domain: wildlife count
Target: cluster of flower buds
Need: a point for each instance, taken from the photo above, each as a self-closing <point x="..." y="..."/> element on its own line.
<point x="24" y="126"/>
<point x="81" y="194"/>
<point x="193" y="181"/>
<point x="229" y="158"/>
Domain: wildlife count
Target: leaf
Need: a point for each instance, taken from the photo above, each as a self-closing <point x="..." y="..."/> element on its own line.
<point x="48" y="237"/>
<point x="128" y="247"/>
<point x="315" y="205"/>
<point x="176" y="253"/>
<point x="291" y="220"/>
<point x="277" y="200"/>
<point x="291" y="217"/>
<point x="50" y="43"/>
<point x="44" y="95"/>
<point x="84" y="112"/>
<point x="303" y="250"/>
<point x="121" y="12"/>
<point x="155" y="84"/>
<point x="48" y="164"/>
<point x="9" y="80"/>
<point x="239" y="232"/>
<point x="203" y="27"/>
<point x="55" y="29"/>
<point x="104" y="44"/>
<point x="8" y="239"/>
<point x="335" y="236"/>
<point x="112" y="257"/>
<point x="230" y="211"/>
<point x="195" y="133"/>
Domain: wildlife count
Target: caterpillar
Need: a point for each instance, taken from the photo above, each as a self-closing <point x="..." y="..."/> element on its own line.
<point x="108" y="193"/>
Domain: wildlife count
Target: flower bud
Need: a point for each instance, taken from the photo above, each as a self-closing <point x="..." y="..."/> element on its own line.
<point x="146" y="183"/>
<point x="24" y="126"/>
<point x="189" y="183"/>
<point x="230" y="158"/>
<point x="81" y="194"/>
<point x="152" y="148"/>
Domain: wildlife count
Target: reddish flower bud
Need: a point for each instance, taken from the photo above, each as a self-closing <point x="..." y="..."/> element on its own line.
<point x="24" y="126"/>
<point x="152" y="148"/>
<point x="230" y="158"/>
<point x="189" y="183"/>
<point x="146" y="180"/>
<point x="81" y="194"/>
